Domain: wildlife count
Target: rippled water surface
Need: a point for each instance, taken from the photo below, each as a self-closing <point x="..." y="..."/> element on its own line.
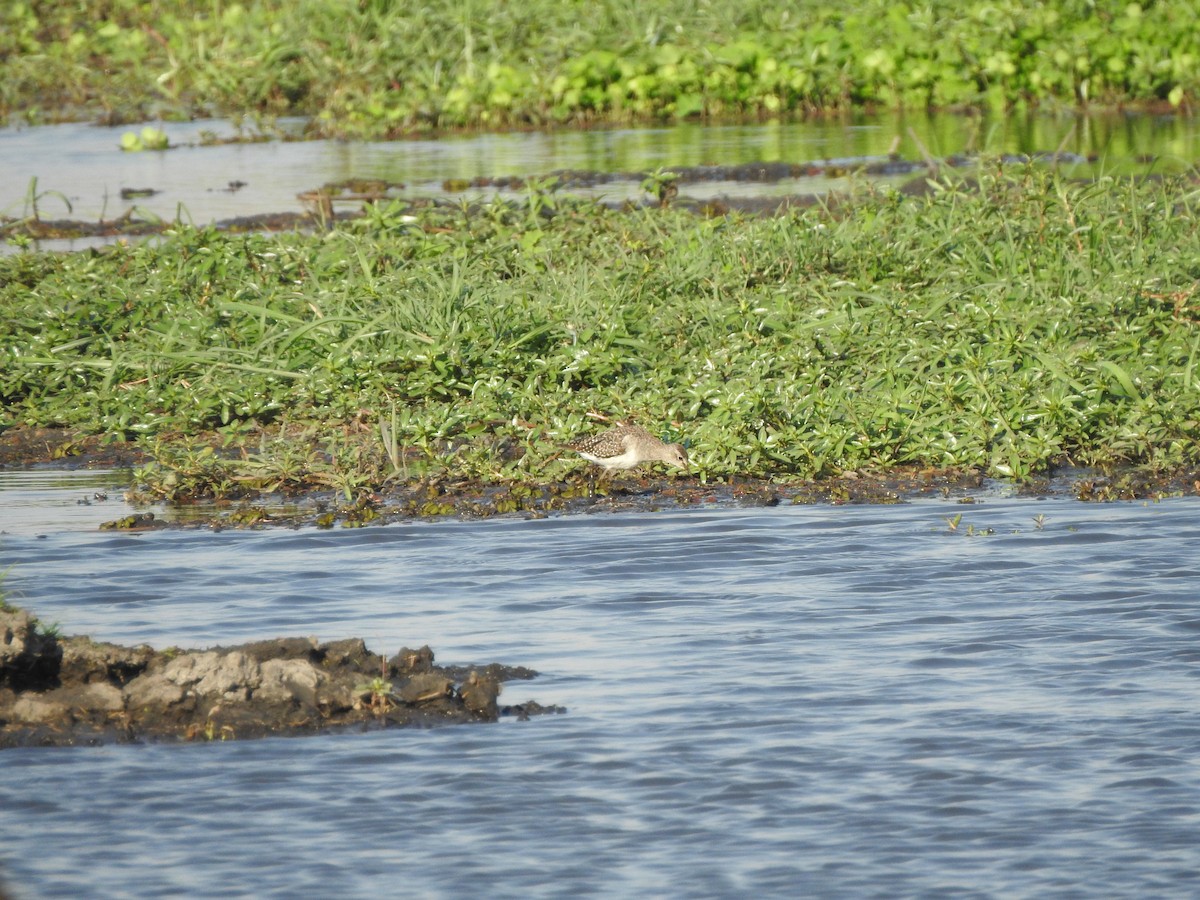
<point x="798" y="701"/>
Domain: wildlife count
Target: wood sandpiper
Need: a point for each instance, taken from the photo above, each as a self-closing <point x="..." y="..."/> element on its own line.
<point x="627" y="446"/>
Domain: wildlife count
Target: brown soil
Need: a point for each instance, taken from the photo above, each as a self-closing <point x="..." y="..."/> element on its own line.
<point x="25" y="447"/>
<point x="58" y="691"/>
<point x="128" y="226"/>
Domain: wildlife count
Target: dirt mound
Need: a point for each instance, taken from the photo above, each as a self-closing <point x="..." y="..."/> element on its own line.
<point x="72" y="690"/>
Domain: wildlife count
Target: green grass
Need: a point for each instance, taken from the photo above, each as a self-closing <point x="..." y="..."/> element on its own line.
<point x="1007" y="326"/>
<point x="370" y="68"/>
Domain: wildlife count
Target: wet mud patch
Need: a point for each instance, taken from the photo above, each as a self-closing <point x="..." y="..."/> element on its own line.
<point x="66" y="691"/>
<point x="309" y="502"/>
<point x="473" y="500"/>
<point x="580" y="495"/>
<point x="29" y="446"/>
<point x="130" y="224"/>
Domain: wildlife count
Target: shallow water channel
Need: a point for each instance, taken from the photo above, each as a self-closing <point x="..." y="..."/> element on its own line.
<point x="794" y="701"/>
<point x="78" y="171"/>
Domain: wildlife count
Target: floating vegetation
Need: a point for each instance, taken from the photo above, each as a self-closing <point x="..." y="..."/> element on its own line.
<point x="149" y="138"/>
<point x="133" y="522"/>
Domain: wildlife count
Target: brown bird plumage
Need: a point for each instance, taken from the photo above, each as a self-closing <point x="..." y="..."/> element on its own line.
<point x="627" y="446"/>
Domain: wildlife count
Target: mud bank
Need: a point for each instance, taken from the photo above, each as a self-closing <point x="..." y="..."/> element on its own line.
<point x="310" y="504"/>
<point x="65" y="691"/>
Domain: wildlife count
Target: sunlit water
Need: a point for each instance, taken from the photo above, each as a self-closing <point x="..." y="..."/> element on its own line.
<point x="77" y="171"/>
<point x="798" y="701"/>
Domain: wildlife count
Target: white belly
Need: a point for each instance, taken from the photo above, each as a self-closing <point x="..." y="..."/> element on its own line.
<point x="626" y="460"/>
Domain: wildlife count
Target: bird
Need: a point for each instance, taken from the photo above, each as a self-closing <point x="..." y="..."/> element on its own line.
<point x="627" y="446"/>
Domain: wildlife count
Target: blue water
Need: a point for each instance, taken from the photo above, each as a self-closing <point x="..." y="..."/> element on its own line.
<point x="798" y="701"/>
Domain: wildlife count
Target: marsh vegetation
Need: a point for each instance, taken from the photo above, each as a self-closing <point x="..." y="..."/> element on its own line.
<point x="373" y="69"/>
<point x="1005" y="324"/>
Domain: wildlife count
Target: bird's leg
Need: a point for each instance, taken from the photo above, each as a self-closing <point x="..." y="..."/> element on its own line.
<point x="603" y="480"/>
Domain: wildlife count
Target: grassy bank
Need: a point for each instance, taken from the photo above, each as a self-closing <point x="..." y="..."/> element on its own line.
<point x="1005" y="326"/>
<point x="370" y="68"/>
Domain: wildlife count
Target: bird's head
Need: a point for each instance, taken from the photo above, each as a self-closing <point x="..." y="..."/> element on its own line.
<point x="675" y="455"/>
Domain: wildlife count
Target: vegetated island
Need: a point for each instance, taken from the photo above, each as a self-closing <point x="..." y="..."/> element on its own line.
<point x="69" y="691"/>
<point x="432" y="361"/>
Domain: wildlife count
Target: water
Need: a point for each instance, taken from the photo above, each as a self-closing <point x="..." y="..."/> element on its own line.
<point x="798" y="701"/>
<point x="83" y="165"/>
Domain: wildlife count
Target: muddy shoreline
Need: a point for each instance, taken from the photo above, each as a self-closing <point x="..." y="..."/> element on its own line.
<point x="582" y="492"/>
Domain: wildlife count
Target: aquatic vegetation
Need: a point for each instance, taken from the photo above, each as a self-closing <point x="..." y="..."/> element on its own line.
<point x="149" y="138"/>
<point x="1005" y="323"/>
<point x="374" y="69"/>
<point x="376" y="695"/>
<point x="248" y="517"/>
<point x="132" y="522"/>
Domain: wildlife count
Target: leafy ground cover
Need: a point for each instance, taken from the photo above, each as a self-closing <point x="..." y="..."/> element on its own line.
<point x="1005" y="325"/>
<point x="372" y="68"/>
